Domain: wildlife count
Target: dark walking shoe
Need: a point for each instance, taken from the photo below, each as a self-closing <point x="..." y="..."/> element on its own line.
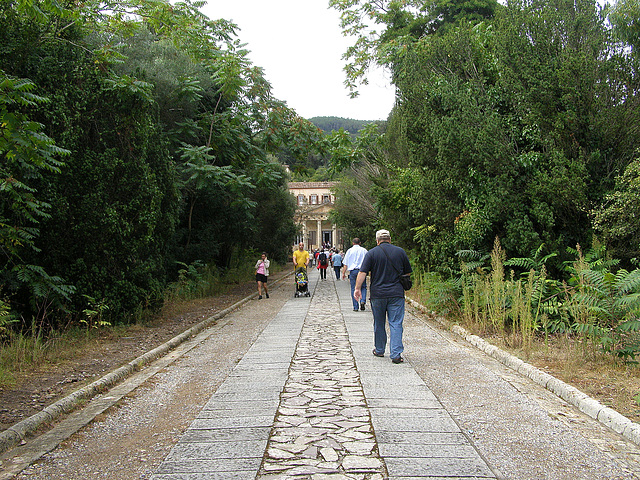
<point x="397" y="360"/>
<point x="356" y="310"/>
<point x="267" y="295"/>
<point x="259" y="297"/>
<point x="362" y="307"/>
<point x="377" y="354"/>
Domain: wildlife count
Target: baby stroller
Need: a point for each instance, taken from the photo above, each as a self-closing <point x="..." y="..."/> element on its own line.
<point x="302" y="283"/>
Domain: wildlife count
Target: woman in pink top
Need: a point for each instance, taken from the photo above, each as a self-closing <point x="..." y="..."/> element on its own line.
<point x="262" y="274"/>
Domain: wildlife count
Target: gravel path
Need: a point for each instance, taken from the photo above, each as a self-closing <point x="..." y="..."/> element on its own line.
<point x="522" y="431"/>
<point x="131" y="439"/>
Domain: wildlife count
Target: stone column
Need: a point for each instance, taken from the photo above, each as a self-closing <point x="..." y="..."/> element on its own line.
<point x="304" y="233"/>
<point x="334" y="235"/>
<point x="319" y="232"/>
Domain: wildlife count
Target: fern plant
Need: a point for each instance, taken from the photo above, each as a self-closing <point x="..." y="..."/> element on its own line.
<point x="6" y="320"/>
<point x="49" y="293"/>
<point x="437" y="294"/>
<point x="94" y="313"/>
<point x="474" y="261"/>
<point x="545" y="290"/>
<point x="606" y="307"/>
<point x="535" y="262"/>
<point x="595" y="258"/>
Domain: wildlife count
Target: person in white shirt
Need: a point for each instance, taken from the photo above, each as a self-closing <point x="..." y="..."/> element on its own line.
<point x="351" y="262"/>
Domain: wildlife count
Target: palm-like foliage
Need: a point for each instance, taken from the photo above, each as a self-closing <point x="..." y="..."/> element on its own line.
<point x="474" y="261"/>
<point x="606" y="307"/>
<point x="595" y="258"/>
<point x="535" y="262"/>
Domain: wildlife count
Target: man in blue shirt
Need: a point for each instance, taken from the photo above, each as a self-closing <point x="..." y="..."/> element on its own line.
<point x="385" y="263"/>
<point x="336" y="260"/>
<point x="351" y="262"/>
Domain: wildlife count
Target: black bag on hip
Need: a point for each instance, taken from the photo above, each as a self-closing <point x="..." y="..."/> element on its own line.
<point x="405" y="281"/>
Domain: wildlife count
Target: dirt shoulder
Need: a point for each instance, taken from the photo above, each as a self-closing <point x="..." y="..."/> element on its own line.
<point x="36" y="389"/>
<point x="611" y="381"/>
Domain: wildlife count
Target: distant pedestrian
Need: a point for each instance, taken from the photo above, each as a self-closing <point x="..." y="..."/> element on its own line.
<point x="351" y="262"/>
<point x="336" y="261"/>
<point x="262" y="275"/>
<point x="323" y="263"/>
<point x="385" y="263"/>
<point x="300" y="257"/>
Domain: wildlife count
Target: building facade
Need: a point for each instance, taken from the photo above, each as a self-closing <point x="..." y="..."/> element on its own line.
<point x="314" y="201"/>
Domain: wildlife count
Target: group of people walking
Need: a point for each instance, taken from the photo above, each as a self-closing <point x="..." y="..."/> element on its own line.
<point x="385" y="264"/>
<point x="326" y="258"/>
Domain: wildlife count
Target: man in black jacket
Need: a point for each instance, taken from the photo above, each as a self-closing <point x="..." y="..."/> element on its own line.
<point x="385" y="263"/>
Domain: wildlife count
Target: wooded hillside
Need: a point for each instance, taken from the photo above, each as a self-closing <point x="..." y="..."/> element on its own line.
<point x="328" y="124"/>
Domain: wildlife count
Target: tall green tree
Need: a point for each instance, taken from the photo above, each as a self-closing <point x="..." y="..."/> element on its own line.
<point x="273" y="229"/>
<point x="615" y="219"/>
<point x="625" y="18"/>
<point x="363" y="166"/>
<point x="27" y="156"/>
<point x="169" y="126"/>
<point x="385" y="29"/>
<point x="509" y="121"/>
<point x="115" y="199"/>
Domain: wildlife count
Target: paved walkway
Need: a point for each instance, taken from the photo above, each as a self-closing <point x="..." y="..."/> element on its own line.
<point x="310" y="401"/>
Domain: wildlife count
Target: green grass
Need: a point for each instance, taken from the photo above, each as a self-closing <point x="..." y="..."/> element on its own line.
<point x="30" y="351"/>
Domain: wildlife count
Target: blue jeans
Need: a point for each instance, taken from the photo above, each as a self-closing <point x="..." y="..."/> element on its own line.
<point x="352" y="278"/>
<point x="394" y="308"/>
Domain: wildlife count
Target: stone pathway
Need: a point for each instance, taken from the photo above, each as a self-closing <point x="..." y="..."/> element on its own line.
<point x="227" y="440"/>
<point x="323" y="425"/>
<point x="416" y="436"/>
<point x="309" y="401"/>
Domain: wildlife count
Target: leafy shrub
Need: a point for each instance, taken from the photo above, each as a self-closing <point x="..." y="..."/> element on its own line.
<point x="596" y="303"/>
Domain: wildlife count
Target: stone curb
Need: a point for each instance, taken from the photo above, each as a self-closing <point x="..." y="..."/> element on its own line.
<point x="15" y="434"/>
<point x="603" y="414"/>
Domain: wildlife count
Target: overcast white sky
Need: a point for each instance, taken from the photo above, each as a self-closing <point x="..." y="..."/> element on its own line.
<point x="300" y="45"/>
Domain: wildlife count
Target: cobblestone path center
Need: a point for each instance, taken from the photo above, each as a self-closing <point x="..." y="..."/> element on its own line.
<point x="323" y="424"/>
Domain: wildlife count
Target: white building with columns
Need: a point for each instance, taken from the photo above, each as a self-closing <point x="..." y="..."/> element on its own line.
<point x="314" y="202"/>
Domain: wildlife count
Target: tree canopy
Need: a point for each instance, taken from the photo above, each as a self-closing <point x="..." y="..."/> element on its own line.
<point x="511" y="121"/>
<point x="136" y="136"/>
